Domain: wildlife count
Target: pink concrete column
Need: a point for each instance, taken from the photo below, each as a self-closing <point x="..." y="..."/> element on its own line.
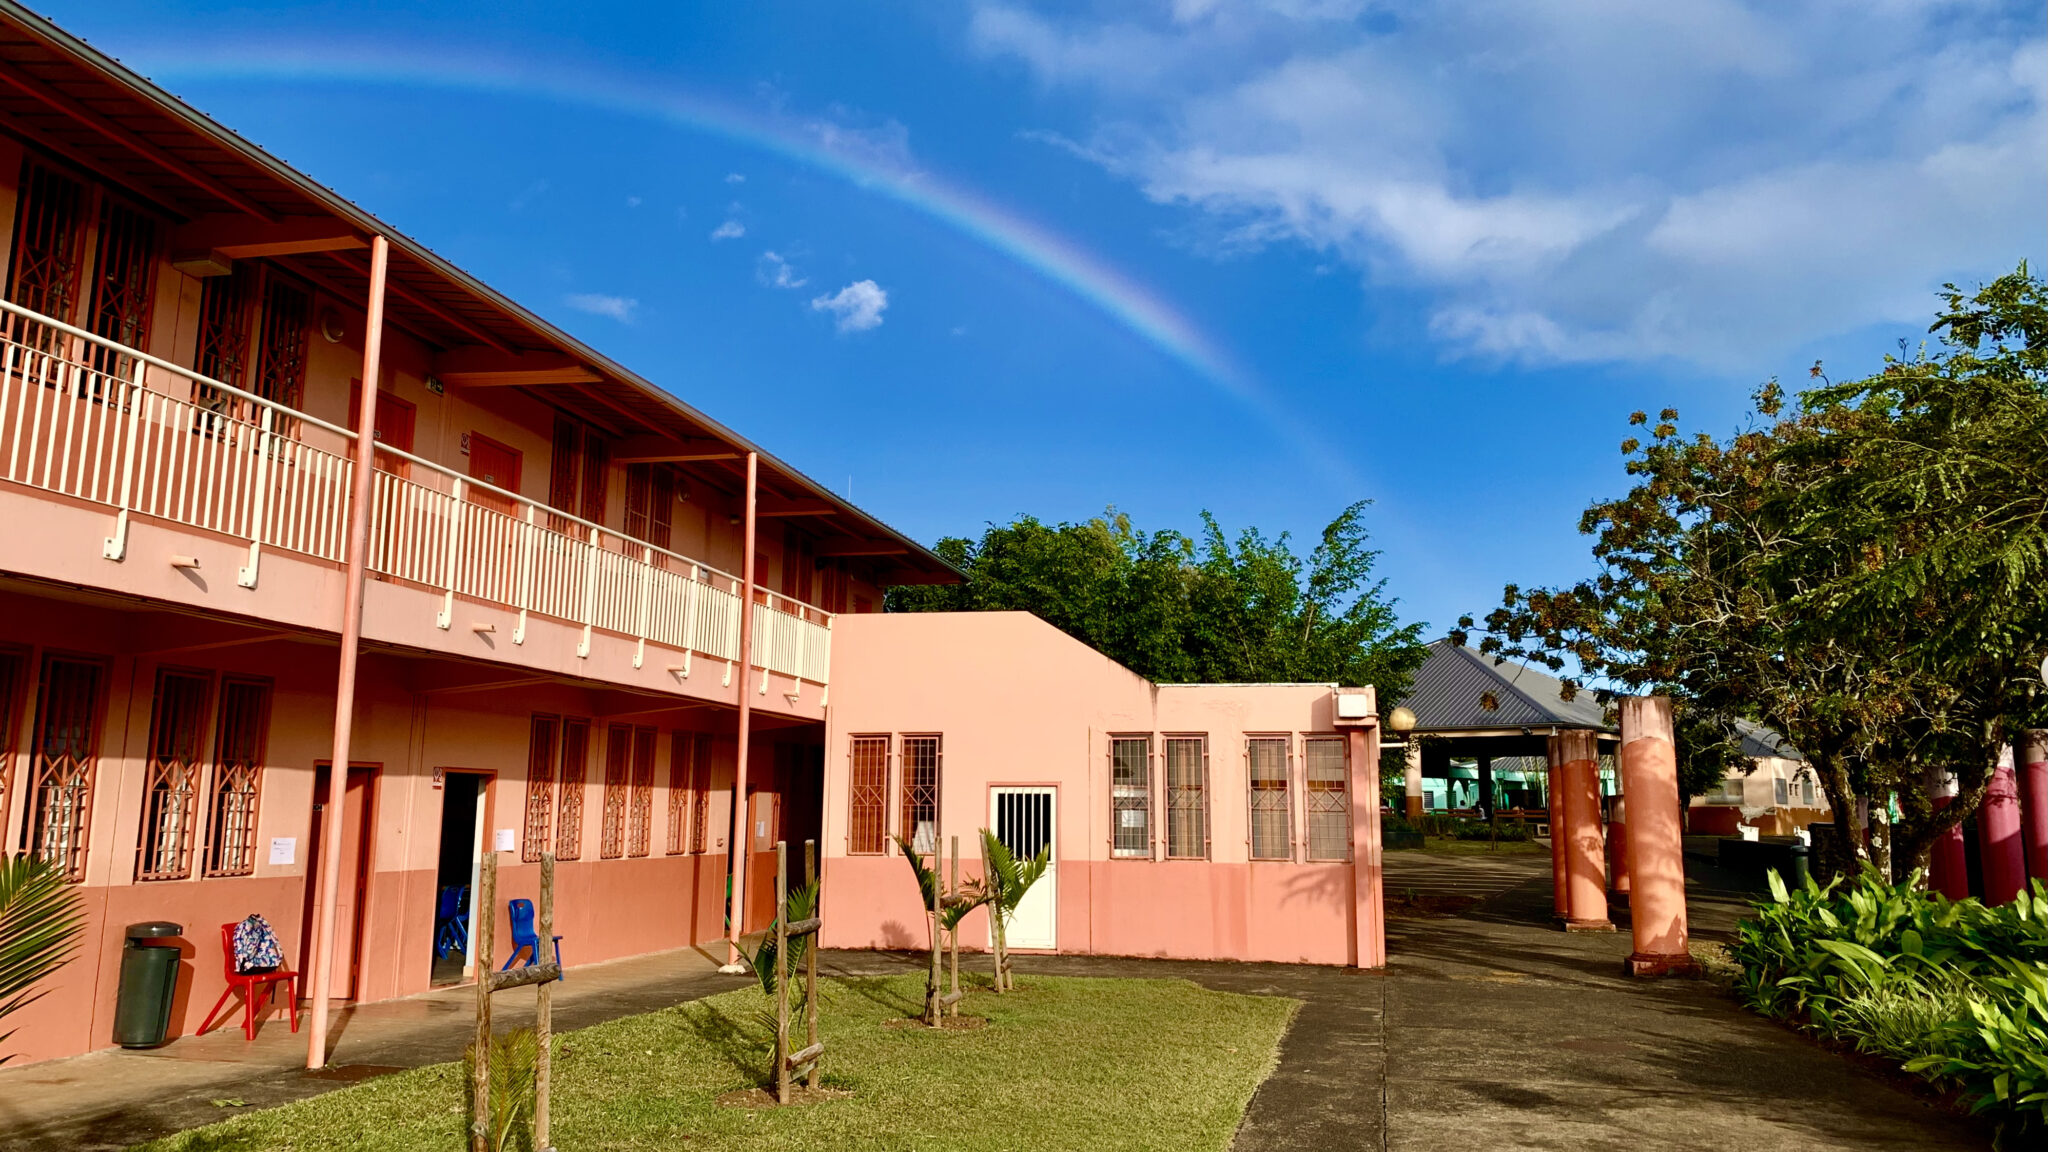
<point x="1369" y="912"/>
<point x="1656" y="847"/>
<point x="1585" y="863"/>
<point x="1948" y="868"/>
<point x="1998" y="835"/>
<point x="2033" y="786"/>
<point x="1560" y="886"/>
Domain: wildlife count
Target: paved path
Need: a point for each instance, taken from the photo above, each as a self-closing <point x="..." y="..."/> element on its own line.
<point x="1489" y="1030"/>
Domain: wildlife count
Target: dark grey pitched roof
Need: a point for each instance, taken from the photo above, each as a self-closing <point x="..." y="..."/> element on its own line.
<point x="1759" y="742"/>
<point x="1455" y="684"/>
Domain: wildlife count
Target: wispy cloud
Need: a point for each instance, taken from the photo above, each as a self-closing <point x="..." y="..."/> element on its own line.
<point x="735" y="178"/>
<point x="776" y="272"/>
<point x="730" y="230"/>
<point x="633" y="201"/>
<point x="857" y="307"/>
<point x="620" y="308"/>
<point x="528" y="195"/>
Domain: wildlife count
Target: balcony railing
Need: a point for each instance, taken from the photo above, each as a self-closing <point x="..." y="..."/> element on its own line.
<point x="91" y="419"/>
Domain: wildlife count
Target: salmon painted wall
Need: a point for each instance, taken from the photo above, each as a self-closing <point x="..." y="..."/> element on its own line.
<point x="1017" y="703"/>
<point x="412" y="719"/>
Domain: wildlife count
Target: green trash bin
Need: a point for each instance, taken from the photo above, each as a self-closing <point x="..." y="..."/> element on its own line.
<point x="149" y="980"/>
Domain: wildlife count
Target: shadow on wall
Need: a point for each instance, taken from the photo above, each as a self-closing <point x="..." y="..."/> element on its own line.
<point x="897" y="936"/>
<point x="1327" y="887"/>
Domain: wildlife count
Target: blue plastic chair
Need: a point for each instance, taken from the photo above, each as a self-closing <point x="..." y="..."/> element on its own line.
<point x="451" y="921"/>
<point x="526" y="939"/>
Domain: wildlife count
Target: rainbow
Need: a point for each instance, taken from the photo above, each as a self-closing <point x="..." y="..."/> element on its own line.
<point x="1052" y="257"/>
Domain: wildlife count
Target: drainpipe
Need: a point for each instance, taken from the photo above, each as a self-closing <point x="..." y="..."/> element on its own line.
<point x="742" y="828"/>
<point x="345" y="682"/>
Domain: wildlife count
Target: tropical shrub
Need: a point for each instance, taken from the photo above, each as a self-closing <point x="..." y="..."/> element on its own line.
<point x="1955" y="990"/>
<point x="515" y="1058"/>
<point x="40" y="926"/>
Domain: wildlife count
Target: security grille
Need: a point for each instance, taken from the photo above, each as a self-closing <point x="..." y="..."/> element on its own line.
<point x="1272" y="811"/>
<point x="224" y="326"/>
<point x="542" y="747"/>
<point x="867" y="819"/>
<point x="575" y="772"/>
<point x="640" y="802"/>
<point x="13" y="667"/>
<point x="170" y="787"/>
<point x="700" y="797"/>
<point x="123" y="282"/>
<point x="1130" y="795"/>
<point x="618" y="752"/>
<point x="921" y="792"/>
<point x="1327" y="798"/>
<point x="1187" y="797"/>
<point x="66" y="747"/>
<point x="281" y="365"/>
<point x="49" y="243"/>
<point x="238" y="747"/>
<point x="682" y="760"/>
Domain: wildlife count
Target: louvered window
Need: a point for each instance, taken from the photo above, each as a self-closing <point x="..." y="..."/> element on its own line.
<point x="170" y="785"/>
<point x="1187" y="797"/>
<point x="1272" y="809"/>
<point x="575" y="772"/>
<point x="921" y="792"/>
<point x="650" y="503"/>
<point x="239" y="742"/>
<point x="66" y="749"/>
<point x="1326" y="795"/>
<point x="542" y="746"/>
<point x="49" y="245"/>
<point x="1130" y="796"/>
<point x="577" y="472"/>
<point x="640" y="801"/>
<point x="867" y="819"/>
<point x="618" y="764"/>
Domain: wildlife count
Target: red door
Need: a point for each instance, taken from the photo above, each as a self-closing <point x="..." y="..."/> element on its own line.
<point x="355" y="827"/>
<point x="494" y="464"/>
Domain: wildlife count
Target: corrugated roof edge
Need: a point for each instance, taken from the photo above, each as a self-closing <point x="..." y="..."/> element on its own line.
<point x="142" y="86"/>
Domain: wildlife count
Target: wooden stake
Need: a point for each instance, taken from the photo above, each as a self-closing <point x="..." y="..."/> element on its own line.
<point x="484" y="909"/>
<point x="931" y="984"/>
<point x="953" y="937"/>
<point x="544" y="1010"/>
<point x="811" y="960"/>
<point x="782" y="971"/>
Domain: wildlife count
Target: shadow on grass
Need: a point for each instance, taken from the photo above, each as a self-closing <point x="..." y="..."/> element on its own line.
<point x="876" y="990"/>
<point x="220" y="1142"/>
<point x="727" y="1037"/>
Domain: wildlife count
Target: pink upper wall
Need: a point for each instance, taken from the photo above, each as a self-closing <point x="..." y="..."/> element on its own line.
<point x="1017" y="702"/>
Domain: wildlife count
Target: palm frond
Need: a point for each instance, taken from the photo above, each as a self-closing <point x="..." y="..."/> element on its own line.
<point x="41" y="923"/>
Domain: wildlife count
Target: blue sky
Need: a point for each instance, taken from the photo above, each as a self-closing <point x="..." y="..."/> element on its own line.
<point x="984" y="258"/>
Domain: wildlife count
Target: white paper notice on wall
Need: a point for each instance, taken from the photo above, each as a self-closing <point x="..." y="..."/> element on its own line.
<point x="507" y="841"/>
<point x="284" y="850"/>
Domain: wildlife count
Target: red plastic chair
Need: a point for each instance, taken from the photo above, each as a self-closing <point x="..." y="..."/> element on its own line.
<point x="247" y="983"/>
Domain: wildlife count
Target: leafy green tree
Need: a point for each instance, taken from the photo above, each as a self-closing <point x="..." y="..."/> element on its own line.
<point x="1862" y="571"/>
<point x="1175" y="609"/>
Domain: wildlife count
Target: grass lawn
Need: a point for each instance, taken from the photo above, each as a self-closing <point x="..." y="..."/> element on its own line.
<point x="1064" y="1063"/>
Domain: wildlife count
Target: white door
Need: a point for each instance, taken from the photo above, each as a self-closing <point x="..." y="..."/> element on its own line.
<point x="1024" y="820"/>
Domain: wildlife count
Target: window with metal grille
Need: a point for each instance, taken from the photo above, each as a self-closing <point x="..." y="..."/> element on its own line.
<point x="1326" y="795"/>
<point x="921" y="792"/>
<point x="49" y="246"/>
<point x="1130" y="795"/>
<point x="281" y="361"/>
<point x="13" y="673"/>
<point x="577" y="472"/>
<point x="700" y="796"/>
<point x="170" y="785"/>
<point x="66" y="748"/>
<point x="618" y="764"/>
<point x="799" y="563"/>
<point x="1272" y="810"/>
<point x="1187" y="797"/>
<point x="543" y="745"/>
<point x="223" y="349"/>
<point x="575" y="772"/>
<point x="640" y="801"/>
<point x="238" y="746"/>
<point x="124" y="280"/>
<point x="650" y="502"/>
<point x="682" y="747"/>
<point x="867" y="796"/>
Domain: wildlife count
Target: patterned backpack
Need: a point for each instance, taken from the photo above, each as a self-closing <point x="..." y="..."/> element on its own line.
<point x="256" y="947"/>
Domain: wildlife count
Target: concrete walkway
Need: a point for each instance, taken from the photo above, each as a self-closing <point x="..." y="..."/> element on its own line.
<point x="1488" y="1030"/>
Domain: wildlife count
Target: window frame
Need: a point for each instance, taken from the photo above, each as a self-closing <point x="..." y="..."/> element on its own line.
<point x="640" y="792"/>
<point x="910" y="803"/>
<point x="537" y="824"/>
<point x="166" y="837"/>
<point x="572" y="781"/>
<point x="1174" y="795"/>
<point x="1139" y="844"/>
<point x="1312" y="851"/>
<point x="878" y="806"/>
<point x="218" y="842"/>
<point x="1286" y="791"/>
<point x="77" y="847"/>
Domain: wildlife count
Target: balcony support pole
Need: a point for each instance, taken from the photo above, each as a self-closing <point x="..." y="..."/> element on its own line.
<point x="736" y="845"/>
<point x="345" y="680"/>
<point x="525" y="575"/>
<point x="259" y="507"/>
<point x="640" y="616"/>
<point x="589" y="595"/>
<point x="455" y="519"/>
<point x="116" y="546"/>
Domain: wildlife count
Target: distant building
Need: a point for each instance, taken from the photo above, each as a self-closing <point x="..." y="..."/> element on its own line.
<point x="1777" y="794"/>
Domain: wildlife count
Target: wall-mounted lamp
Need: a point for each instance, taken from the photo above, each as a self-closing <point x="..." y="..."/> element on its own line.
<point x="1401" y="721"/>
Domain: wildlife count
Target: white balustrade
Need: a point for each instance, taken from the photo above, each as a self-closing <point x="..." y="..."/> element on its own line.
<point x="94" y="420"/>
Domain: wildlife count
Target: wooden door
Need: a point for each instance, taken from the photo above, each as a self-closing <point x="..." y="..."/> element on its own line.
<point x="355" y="828"/>
<point x="494" y="464"/>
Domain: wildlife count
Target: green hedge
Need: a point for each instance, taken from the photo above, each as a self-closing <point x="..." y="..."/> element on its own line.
<point x="1956" y="991"/>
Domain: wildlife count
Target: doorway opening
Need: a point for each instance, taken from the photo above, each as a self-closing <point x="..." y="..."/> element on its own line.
<point x="355" y="827"/>
<point x="455" y="874"/>
<point x="1026" y="822"/>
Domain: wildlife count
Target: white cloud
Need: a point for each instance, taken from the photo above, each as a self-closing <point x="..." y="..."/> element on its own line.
<point x="735" y="178"/>
<point x="858" y="306"/>
<point x="730" y="230"/>
<point x="633" y="201"/>
<point x="776" y="272"/>
<point x="620" y="308"/>
<point x="1568" y="180"/>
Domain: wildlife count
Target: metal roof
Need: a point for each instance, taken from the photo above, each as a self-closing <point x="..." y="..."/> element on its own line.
<point x="1761" y="743"/>
<point x="1459" y="689"/>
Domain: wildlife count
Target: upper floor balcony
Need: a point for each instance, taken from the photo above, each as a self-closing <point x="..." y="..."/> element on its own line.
<point x="93" y="428"/>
